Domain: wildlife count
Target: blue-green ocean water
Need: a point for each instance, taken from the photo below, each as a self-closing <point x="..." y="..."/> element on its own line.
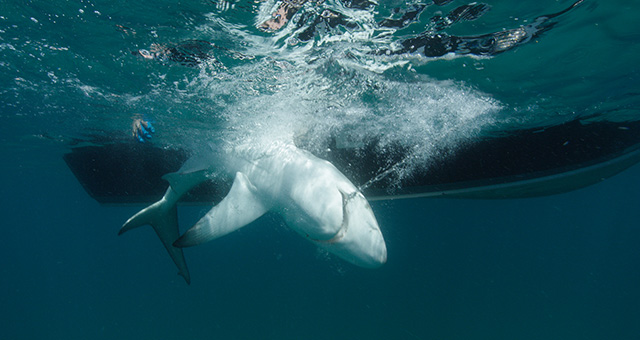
<point x="559" y="267"/>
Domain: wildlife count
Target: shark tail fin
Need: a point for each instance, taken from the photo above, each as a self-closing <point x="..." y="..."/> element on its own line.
<point x="163" y="217"/>
<point x="143" y="217"/>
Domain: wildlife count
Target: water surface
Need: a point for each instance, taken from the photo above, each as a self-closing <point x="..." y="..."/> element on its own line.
<point x="559" y="267"/>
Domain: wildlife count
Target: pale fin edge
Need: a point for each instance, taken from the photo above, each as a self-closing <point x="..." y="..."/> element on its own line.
<point x="163" y="217"/>
<point x="241" y="206"/>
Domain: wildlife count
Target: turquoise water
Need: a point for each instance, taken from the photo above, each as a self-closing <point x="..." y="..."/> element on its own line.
<point x="559" y="267"/>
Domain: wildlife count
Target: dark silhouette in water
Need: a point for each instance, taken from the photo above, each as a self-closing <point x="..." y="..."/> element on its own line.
<point x="431" y="43"/>
<point x="188" y="53"/>
<point x="523" y="163"/>
<point x="434" y="44"/>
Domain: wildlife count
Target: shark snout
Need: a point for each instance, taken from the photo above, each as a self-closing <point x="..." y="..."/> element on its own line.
<point x="371" y="250"/>
<point x="360" y="240"/>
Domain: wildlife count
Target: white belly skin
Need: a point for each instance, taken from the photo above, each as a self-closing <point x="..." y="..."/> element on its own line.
<point x="302" y="188"/>
<point x="317" y="201"/>
<point x="314" y="198"/>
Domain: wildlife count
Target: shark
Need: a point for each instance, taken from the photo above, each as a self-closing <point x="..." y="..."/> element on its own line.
<point x="311" y="195"/>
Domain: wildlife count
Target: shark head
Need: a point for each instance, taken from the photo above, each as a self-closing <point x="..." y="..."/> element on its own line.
<point x="359" y="239"/>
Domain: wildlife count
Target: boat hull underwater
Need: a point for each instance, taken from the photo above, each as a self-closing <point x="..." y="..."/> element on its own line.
<point x="524" y="163"/>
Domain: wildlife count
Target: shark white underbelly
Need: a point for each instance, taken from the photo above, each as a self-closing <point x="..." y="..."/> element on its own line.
<point x="313" y="197"/>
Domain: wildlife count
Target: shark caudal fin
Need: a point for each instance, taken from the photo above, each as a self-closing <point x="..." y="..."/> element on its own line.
<point x="163" y="217"/>
<point x="240" y="207"/>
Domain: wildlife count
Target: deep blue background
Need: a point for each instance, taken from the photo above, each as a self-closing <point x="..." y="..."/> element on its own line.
<point x="559" y="267"/>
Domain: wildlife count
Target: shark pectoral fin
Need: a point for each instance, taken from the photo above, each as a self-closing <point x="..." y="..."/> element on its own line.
<point x="240" y="207"/>
<point x="163" y="217"/>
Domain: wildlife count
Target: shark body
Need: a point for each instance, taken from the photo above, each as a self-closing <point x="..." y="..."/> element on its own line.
<point x="312" y="196"/>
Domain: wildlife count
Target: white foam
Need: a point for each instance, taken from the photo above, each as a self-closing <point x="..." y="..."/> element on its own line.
<point x="330" y="88"/>
<point x="275" y="101"/>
